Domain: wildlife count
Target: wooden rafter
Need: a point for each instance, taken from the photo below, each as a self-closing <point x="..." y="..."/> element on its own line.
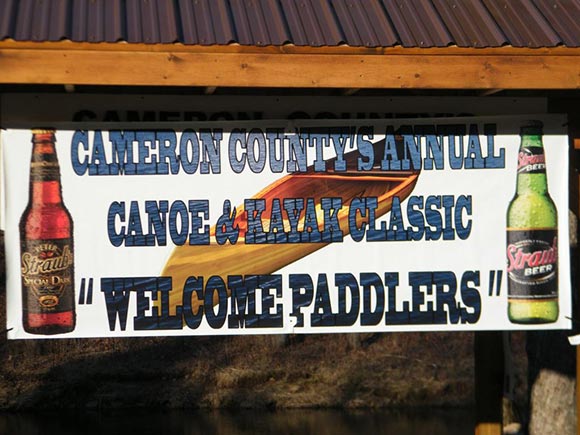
<point x="288" y="66"/>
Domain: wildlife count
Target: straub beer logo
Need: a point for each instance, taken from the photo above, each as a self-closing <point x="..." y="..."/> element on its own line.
<point x="44" y="271"/>
<point x="46" y="258"/>
<point x="532" y="260"/>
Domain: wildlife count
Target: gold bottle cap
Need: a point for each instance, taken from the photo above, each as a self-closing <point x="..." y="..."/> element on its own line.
<point x="43" y="131"/>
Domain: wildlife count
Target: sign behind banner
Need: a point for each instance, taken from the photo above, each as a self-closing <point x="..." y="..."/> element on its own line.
<point x="20" y="110"/>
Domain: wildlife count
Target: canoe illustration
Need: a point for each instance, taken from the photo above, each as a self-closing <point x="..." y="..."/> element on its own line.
<point x="261" y="259"/>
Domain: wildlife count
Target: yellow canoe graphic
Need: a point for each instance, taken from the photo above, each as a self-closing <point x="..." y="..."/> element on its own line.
<point x="260" y="259"/>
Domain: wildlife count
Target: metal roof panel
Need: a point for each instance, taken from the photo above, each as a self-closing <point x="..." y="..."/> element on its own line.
<point x="365" y="24"/>
<point x="24" y="19"/>
<point x="115" y="25"/>
<point x="95" y="28"/>
<point x="418" y="23"/>
<point x="150" y="31"/>
<point x="276" y="22"/>
<point x="295" y="27"/>
<point x="257" y="21"/>
<point x="8" y="9"/>
<point x="459" y="18"/>
<point x="242" y="24"/>
<point x="133" y="20"/>
<point x="188" y="32"/>
<point x="312" y="22"/>
<point x="223" y="25"/>
<point x="351" y="28"/>
<point x="523" y="23"/>
<point x="260" y="22"/>
<point x="59" y="20"/>
<point x="564" y="17"/>
<point x="205" y="22"/>
<point x="327" y="22"/>
<point x="369" y="23"/>
<point x="167" y="22"/>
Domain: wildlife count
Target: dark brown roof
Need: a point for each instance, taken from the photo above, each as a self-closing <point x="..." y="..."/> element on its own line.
<point x="357" y="23"/>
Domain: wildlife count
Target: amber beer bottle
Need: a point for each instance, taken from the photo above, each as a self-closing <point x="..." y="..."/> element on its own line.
<point x="532" y="237"/>
<point x="46" y="239"/>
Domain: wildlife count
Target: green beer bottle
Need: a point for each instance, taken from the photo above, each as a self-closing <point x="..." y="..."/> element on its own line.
<point x="532" y="237"/>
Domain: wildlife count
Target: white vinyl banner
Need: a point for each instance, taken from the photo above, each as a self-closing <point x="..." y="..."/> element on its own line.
<point x="266" y="227"/>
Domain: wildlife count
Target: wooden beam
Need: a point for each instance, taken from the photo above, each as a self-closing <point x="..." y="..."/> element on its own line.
<point x="489" y="377"/>
<point x="109" y="64"/>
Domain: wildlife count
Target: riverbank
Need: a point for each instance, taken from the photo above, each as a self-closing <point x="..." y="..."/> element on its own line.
<point x="314" y="371"/>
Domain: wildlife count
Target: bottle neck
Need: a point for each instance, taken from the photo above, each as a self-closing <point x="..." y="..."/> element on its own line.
<point x="44" y="173"/>
<point x="45" y="192"/>
<point x="531" y="166"/>
<point x="531" y="140"/>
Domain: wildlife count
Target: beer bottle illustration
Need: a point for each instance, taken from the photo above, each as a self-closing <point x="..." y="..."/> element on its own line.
<point x="532" y="237"/>
<point x="46" y="240"/>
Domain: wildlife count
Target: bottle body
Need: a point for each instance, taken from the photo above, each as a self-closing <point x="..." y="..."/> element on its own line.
<point x="532" y="238"/>
<point x="47" y="247"/>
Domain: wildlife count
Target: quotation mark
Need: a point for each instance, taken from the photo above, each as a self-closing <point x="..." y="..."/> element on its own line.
<point x="86" y="292"/>
<point x="495" y="277"/>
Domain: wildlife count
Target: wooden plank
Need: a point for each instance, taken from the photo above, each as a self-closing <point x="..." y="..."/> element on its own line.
<point x="574" y="134"/>
<point x="572" y="108"/>
<point x="126" y="68"/>
<point x="489" y="374"/>
<point x="488" y="429"/>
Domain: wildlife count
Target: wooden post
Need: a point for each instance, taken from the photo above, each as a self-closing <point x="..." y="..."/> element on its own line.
<point x="577" y="390"/>
<point x="572" y="109"/>
<point x="574" y="132"/>
<point x="489" y="378"/>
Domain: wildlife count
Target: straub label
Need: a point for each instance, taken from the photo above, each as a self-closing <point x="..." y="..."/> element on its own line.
<point x="532" y="263"/>
<point x="47" y="274"/>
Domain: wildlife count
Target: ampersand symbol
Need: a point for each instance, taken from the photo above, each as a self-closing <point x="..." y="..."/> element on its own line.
<point x="225" y="230"/>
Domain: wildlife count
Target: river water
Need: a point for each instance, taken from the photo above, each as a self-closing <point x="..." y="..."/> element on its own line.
<point x="285" y="422"/>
